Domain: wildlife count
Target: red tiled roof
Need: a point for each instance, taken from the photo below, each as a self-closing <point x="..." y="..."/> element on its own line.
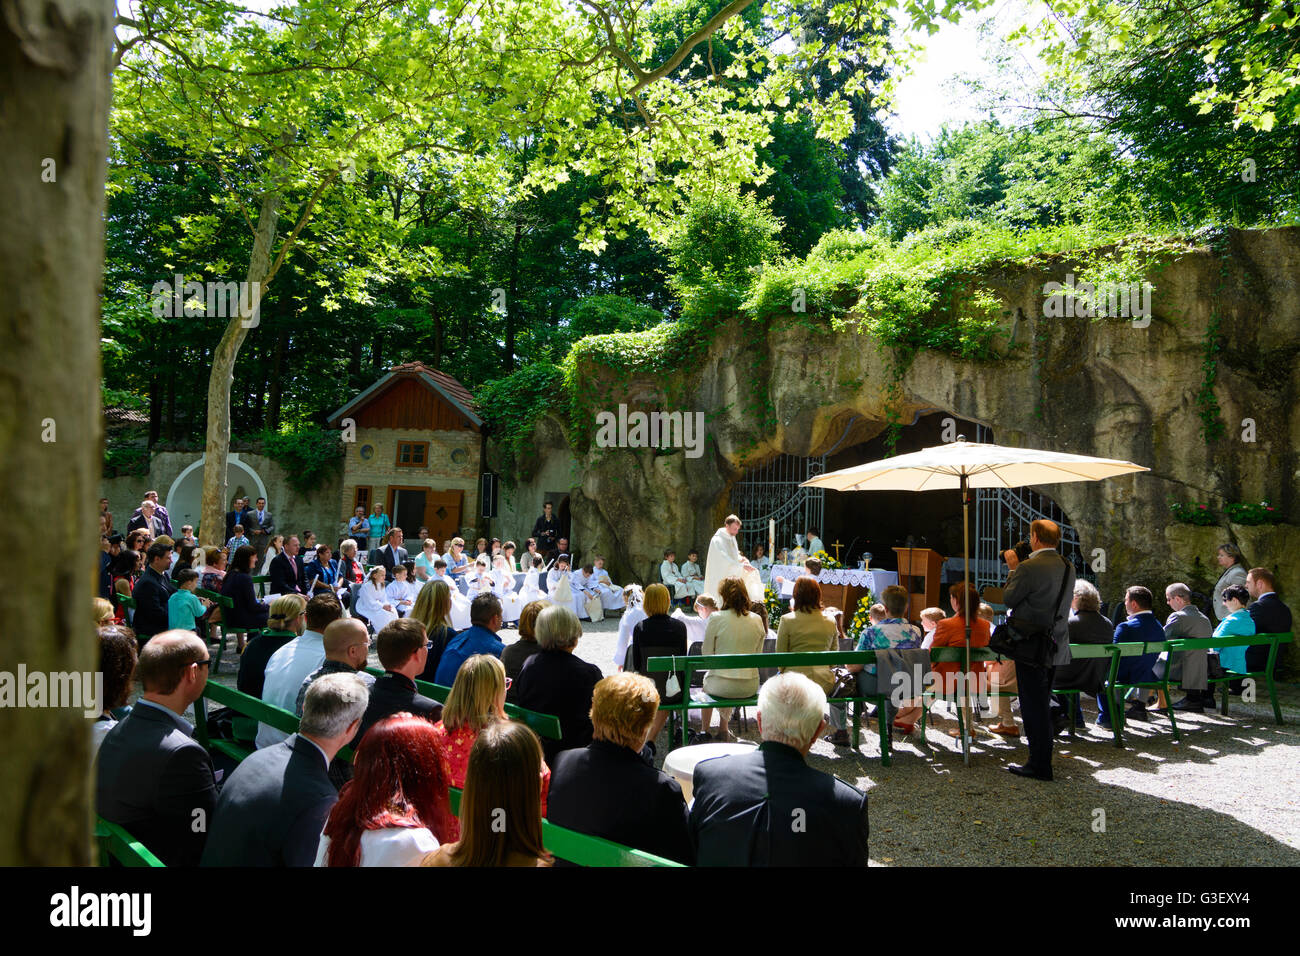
<point x="453" y="386"/>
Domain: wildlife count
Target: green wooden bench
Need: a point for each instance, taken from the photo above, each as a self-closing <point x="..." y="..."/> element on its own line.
<point x="128" y="602"/>
<point x="1274" y="642"/>
<point x="579" y="848"/>
<point x="691" y="663"/>
<point x="957" y="655"/>
<point x="1118" y="689"/>
<point x="1080" y="652"/>
<point x="544" y="725"/>
<point x="226" y="604"/>
<point x="116" y="844"/>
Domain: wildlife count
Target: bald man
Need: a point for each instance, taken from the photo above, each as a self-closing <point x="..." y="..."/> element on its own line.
<point x="153" y="777"/>
<point x="347" y="648"/>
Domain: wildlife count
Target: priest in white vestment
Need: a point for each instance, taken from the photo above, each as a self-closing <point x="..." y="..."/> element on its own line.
<point x="725" y="560"/>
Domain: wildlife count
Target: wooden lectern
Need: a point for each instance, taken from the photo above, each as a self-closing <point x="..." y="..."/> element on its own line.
<point x="925" y="564"/>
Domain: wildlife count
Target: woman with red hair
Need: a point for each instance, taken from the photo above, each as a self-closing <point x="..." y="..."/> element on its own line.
<point x="394" y="811"/>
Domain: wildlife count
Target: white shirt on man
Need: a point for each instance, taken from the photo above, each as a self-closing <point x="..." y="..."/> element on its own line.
<point x="285" y="672"/>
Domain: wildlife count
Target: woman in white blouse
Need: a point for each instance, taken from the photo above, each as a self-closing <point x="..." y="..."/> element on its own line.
<point x="273" y="547"/>
<point x="395" y="809"/>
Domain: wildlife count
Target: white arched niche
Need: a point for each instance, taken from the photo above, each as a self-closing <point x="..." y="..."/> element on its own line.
<point x="185" y="497"/>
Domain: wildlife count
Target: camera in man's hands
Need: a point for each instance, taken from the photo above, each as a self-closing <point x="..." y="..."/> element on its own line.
<point x="1022" y="550"/>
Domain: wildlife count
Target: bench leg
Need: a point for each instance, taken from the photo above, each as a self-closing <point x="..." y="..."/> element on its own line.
<point x="1074" y="712"/>
<point x="886" y="731"/>
<point x="857" y="723"/>
<point x="1272" y="695"/>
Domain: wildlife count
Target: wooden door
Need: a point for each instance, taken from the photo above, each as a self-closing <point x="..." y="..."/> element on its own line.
<point x="442" y="514"/>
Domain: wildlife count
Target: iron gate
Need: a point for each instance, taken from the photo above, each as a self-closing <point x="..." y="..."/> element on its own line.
<point x="771" y="492"/>
<point x="1003" y="517"/>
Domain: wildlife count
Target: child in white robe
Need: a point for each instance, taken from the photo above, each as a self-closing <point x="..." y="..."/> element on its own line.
<point x="692" y="574"/>
<point x="560" y="587"/>
<point x="400" y="592"/>
<point x="697" y="622"/>
<point x="459" y="602"/>
<point x="373" y="603"/>
<point x="611" y="596"/>
<point x="504" y="588"/>
<point x="635" y="614"/>
<point x="531" y="591"/>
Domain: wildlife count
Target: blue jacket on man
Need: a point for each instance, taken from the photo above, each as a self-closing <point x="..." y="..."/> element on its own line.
<point x="471" y="641"/>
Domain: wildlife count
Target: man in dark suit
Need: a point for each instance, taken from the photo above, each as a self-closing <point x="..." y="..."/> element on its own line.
<point x="391" y="554"/>
<point x="1038" y="593"/>
<point x="152" y="591"/>
<point x="105" y="562"/>
<point x="235" y="516"/>
<point x="546" y="529"/>
<point x="286" y="575"/>
<point x="273" y="808"/>
<point x="768" y="807"/>
<point x="152" y="776"/>
<point x="1268" y="612"/>
<point x="608" y="790"/>
<point x="160" y="516"/>
<point x="1141" y="626"/>
<point x="403" y="651"/>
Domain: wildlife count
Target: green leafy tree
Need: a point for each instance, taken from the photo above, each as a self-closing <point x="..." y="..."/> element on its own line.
<point x="287" y="106"/>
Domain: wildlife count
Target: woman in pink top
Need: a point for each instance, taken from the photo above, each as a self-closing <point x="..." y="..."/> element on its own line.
<point x="477" y="699"/>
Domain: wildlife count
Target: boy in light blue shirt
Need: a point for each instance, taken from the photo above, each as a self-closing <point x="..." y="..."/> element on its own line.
<point x="184" y="606"/>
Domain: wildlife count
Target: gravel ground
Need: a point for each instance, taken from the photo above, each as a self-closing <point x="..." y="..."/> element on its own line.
<point x="1226" y="795"/>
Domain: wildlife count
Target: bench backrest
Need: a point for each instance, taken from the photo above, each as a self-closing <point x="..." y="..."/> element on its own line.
<point x="115" y="842"/>
<point x="544" y="725"/>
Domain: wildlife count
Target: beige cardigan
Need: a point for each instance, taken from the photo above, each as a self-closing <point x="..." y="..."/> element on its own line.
<point x="803" y="631"/>
<point x="729" y="633"/>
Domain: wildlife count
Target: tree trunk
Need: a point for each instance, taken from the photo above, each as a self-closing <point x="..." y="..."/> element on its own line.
<point x="155" y="404"/>
<point x="437" y="337"/>
<point x="277" y="364"/>
<point x="169" y="425"/>
<point x="512" y="303"/>
<point x="54" y="97"/>
<point x="213" y="522"/>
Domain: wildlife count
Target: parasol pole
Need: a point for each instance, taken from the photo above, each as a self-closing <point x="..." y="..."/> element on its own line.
<point x="965" y="600"/>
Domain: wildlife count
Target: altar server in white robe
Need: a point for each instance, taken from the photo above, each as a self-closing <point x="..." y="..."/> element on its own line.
<point x="635" y="614"/>
<point x="586" y="589"/>
<point x="401" y="593"/>
<point x="763" y="563"/>
<point x="532" y="591"/>
<point x="504" y="588"/>
<point x="671" y="575"/>
<point x="482" y="582"/>
<point x="697" y="622"/>
<point x="692" y="574"/>
<point x="560" y="589"/>
<point x="373" y="603"/>
<point x="611" y="596"/>
<point x="725" y="560"/>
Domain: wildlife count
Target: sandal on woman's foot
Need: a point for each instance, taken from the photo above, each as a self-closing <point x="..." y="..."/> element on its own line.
<point x="905" y="728"/>
<point x="1011" y="731"/>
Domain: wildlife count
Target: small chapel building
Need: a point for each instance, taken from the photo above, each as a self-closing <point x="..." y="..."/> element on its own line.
<point x="418" y="451"/>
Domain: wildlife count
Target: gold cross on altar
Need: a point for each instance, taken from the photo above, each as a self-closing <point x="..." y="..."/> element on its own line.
<point x="837" y="547"/>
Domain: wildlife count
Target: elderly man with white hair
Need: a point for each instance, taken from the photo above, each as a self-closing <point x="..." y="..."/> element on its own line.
<point x="769" y="808"/>
<point x="273" y="808"/>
